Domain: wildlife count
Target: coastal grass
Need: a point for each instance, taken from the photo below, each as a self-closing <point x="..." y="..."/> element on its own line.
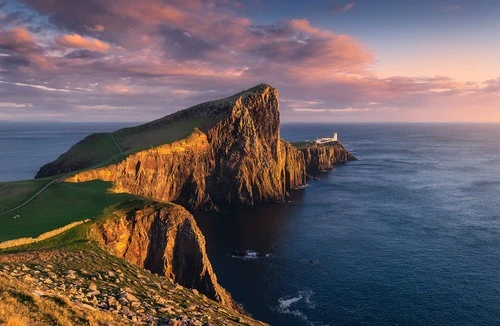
<point x="148" y="135"/>
<point x="302" y="144"/>
<point x="93" y="150"/>
<point x="59" y="205"/>
<point x="15" y="193"/>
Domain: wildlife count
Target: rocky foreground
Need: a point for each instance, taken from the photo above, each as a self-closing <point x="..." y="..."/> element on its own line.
<point x="77" y="287"/>
<point x="238" y="159"/>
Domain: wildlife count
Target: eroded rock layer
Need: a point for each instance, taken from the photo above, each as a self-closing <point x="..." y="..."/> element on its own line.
<point x="164" y="239"/>
<point x="323" y="157"/>
<point x="240" y="160"/>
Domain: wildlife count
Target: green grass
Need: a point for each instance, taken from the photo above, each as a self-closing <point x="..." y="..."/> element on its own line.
<point x="302" y="144"/>
<point x="59" y="205"/>
<point x="100" y="150"/>
<point x="146" y="136"/>
<point x="94" y="149"/>
<point x="15" y="193"/>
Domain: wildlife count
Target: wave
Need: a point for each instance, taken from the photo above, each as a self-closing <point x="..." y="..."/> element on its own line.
<point x="296" y="304"/>
<point x="247" y="254"/>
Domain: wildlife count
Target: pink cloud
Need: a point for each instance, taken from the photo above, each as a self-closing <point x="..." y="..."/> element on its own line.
<point x="79" y="42"/>
<point x="207" y="50"/>
<point x="21" y="51"/>
<point x="16" y="40"/>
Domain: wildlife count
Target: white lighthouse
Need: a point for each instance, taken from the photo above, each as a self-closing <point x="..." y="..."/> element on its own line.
<point x="327" y="140"/>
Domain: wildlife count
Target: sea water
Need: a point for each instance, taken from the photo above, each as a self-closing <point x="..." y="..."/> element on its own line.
<point x="25" y="147"/>
<point x="407" y="235"/>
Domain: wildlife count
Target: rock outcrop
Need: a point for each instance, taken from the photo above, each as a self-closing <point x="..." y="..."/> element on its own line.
<point x="83" y="285"/>
<point x="241" y="160"/>
<point x="322" y="157"/>
<point x="164" y="239"/>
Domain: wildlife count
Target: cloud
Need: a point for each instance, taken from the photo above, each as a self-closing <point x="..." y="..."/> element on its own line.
<point x="78" y="42"/>
<point x="101" y="107"/>
<point x="349" y="110"/>
<point x="83" y="54"/>
<point x="95" y="28"/>
<point x="309" y="110"/>
<point x="40" y="87"/>
<point x="21" y="50"/>
<point x="340" y="9"/>
<point x="14" y="105"/>
<point x="17" y="40"/>
<point x="162" y="56"/>
<point x="343" y="110"/>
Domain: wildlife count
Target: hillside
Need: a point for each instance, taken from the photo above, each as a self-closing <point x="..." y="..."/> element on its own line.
<point x="78" y="283"/>
<point x="117" y="200"/>
<point x="100" y="148"/>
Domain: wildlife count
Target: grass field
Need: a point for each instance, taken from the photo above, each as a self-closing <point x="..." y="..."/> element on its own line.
<point x="59" y="205"/>
<point x="95" y="149"/>
<point x="302" y="144"/>
<point x="145" y="136"/>
<point x="15" y="193"/>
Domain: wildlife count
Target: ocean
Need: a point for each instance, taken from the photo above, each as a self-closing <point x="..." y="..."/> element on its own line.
<point x="25" y="147"/>
<point x="407" y="235"/>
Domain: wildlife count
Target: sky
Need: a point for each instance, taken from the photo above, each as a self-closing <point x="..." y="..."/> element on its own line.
<point x="331" y="61"/>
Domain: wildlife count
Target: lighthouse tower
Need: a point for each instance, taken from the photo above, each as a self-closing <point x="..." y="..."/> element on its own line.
<point x="335" y="136"/>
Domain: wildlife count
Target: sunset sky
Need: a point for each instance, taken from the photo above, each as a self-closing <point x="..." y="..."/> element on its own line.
<point x="332" y="61"/>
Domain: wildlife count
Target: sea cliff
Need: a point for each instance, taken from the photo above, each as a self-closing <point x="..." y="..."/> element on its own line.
<point x="241" y="160"/>
<point x="322" y="157"/>
<point x="164" y="239"/>
<point x="234" y="157"/>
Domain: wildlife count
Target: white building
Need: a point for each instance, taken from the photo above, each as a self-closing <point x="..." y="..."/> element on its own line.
<point x="327" y="140"/>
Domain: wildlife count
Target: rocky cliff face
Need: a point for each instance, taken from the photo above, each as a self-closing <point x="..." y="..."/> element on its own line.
<point x="240" y="160"/>
<point x="323" y="157"/>
<point x="164" y="239"/>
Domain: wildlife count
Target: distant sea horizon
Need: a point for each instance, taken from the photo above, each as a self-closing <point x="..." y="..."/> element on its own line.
<point x="20" y="142"/>
<point x="407" y="235"/>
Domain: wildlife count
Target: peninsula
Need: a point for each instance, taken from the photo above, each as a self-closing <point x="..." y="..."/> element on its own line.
<point x="137" y="186"/>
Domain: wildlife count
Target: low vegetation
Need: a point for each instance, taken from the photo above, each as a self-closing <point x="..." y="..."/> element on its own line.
<point x="59" y="205"/>
<point x="149" y="135"/>
<point x="15" y="193"/>
<point x="302" y="144"/>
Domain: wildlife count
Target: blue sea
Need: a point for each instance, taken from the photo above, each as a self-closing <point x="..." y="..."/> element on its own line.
<point x="407" y="235"/>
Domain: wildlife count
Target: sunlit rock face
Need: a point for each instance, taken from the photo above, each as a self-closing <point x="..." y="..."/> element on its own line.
<point x="241" y="160"/>
<point x="164" y="239"/>
<point x="324" y="157"/>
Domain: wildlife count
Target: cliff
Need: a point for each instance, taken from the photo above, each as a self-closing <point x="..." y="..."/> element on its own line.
<point x="240" y="160"/>
<point x="321" y="157"/>
<point x="164" y="239"/>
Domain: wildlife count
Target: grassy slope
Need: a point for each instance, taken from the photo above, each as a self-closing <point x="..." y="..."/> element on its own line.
<point x="94" y="150"/>
<point x="15" y="193"/>
<point x="145" y="136"/>
<point x="59" y="205"/>
<point x="99" y="149"/>
<point x="303" y="144"/>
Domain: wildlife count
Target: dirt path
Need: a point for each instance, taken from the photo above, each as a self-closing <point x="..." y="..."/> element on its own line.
<point x="116" y="143"/>
<point x="39" y="192"/>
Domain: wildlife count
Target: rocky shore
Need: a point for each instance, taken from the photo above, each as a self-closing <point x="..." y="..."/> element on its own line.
<point x="90" y="287"/>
